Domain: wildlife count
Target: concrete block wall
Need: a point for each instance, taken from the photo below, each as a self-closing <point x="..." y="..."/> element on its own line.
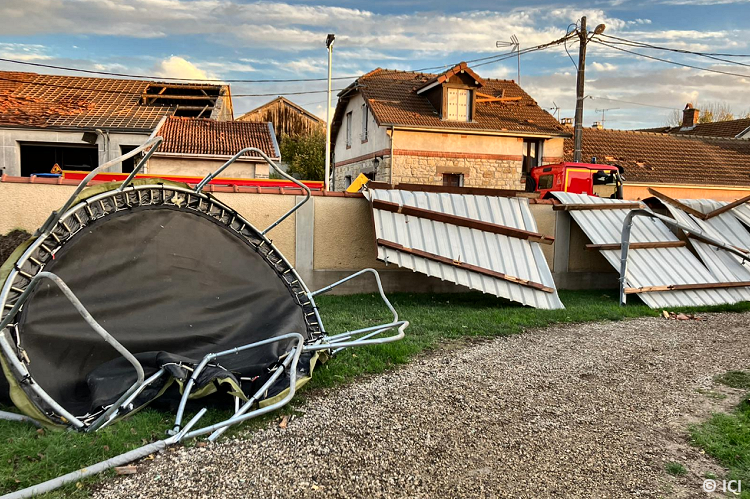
<point x="332" y="236"/>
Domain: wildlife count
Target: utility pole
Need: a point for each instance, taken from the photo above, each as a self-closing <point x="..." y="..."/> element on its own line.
<point x="583" y="36"/>
<point x="327" y="175"/>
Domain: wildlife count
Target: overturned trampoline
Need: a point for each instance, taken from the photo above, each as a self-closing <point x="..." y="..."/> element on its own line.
<point x="147" y="289"/>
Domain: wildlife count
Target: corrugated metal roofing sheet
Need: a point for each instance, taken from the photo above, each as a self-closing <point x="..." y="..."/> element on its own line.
<point x="742" y="213"/>
<point x="649" y="266"/>
<point x="725" y="228"/>
<point x="499" y="253"/>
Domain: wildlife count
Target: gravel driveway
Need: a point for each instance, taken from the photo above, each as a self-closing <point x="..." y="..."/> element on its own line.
<point x="586" y="410"/>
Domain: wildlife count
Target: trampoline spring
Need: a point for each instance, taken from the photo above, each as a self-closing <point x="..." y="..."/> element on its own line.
<point x="286" y="271"/>
<point x="45" y="248"/>
<point x="65" y="226"/>
<point x="104" y="208"/>
<point x="261" y="244"/>
<point x="90" y="211"/>
<point x="295" y="282"/>
<point x="17" y="290"/>
<point x="78" y="219"/>
<point x="306" y="304"/>
<point x="36" y="262"/>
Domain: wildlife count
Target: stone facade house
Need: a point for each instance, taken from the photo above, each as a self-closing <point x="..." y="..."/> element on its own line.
<point x="454" y="128"/>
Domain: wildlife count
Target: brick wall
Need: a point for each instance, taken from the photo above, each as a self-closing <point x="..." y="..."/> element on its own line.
<point x="479" y="170"/>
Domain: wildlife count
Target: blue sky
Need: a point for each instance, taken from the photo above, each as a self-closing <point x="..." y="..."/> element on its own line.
<point x="234" y="39"/>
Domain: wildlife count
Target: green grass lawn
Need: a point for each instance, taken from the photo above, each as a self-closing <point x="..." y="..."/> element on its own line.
<point x="726" y="437"/>
<point x="28" y="457"/>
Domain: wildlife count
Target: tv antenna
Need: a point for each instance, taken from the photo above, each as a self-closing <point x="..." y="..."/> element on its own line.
<point x="515" y="44"/>
<point x="604" y="111"/>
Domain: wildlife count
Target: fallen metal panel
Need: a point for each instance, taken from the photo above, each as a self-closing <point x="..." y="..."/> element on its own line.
<point x="466" y="246"/>
<point x="648" y="266"/>
<point x="727" y="229"/>
<point x="743" y="214"/>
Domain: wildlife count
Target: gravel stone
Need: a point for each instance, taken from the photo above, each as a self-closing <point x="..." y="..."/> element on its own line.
<point x="582" y="410"/>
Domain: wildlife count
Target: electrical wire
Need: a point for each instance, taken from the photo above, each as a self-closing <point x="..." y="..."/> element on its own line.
<point x="569" y="32"/>
<point x="162" y="78"/>
<point x="670" y="49"/>
<point x="631" y="102"/>
<point x="123" y="92"/>
<point x="606" y="44"/>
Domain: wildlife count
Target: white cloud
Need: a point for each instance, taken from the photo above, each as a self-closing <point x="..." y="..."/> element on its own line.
<point x="178" y="67"/>
<point x="603" y="66"/>
<point x="24" y="52"/>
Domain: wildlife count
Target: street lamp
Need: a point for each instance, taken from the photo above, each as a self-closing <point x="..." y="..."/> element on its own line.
<point x="326" y="179"/>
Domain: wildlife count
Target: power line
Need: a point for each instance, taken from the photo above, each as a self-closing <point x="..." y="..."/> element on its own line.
<point x="151" y="77"/>
<point x="707" y="55"/>
<point x="682" y="51"/>
<point x="631" y="102"/>
<point x="606" y="44"/>
<point x="123" y="92"/>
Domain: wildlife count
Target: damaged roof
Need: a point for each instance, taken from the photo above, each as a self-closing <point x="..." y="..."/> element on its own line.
<point x="664" y="158"/>
<point x="393" y="98"/>
<point x="201" y="136"/>
<point x="42" y="101"/>
<point x="729" y="129"/>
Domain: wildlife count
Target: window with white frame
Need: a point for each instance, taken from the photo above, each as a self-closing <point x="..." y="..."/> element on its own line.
<point x="365" y="121"/>
<point x="349" y="129"/>
<point x="459" y="104"/>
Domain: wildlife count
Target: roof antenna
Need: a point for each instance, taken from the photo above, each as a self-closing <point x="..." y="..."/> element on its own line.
<point x="517" y="48"/>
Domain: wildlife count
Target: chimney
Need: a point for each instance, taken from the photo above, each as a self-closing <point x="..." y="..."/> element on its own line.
<point x="689" y="116"/>
<point x="567" y="121"/>
<point x="598" y="124"/>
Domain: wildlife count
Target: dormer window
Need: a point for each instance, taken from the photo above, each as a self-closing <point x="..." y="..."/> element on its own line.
<point x="458" y="104"/>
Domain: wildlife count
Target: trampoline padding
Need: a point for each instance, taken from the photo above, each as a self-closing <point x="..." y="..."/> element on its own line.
<point x="159" y="279"/>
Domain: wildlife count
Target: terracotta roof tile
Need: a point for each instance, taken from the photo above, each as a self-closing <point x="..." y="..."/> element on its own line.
<point x="665" y="158"/>
<point x="36" y="100"/>
<point x="393" y="98"/>
<point x="730" y="128"/>
<point x="191" y="136"/>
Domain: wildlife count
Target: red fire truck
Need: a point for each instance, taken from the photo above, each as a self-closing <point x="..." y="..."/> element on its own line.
<point x="578" y="178"/>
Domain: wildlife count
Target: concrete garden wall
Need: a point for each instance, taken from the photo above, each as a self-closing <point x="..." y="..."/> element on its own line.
<point x="331" y="236"/>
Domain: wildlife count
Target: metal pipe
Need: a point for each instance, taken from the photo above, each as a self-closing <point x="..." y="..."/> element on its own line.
<point x="208" y="178"/>
<point x="55" y="216"/>
<point x="97" y="468"/>
<point x="12" y="416"/>
<point x="625" y="242"/>
<point x="258" y="412"/>
<point x="259" y="393"/>
<point x="212" y="356"/>
<point x="132" y="397"/>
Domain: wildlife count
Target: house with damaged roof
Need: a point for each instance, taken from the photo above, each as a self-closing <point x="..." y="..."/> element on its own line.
<point x="79" y="123"/>
<point x="454" y="129"/>
<point x="682" y="166"/>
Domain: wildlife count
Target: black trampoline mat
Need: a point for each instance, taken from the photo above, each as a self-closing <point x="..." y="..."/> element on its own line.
<point x="159" y="279"/>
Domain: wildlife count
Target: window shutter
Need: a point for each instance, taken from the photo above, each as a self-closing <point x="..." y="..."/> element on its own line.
<point x="462" y="113"/>
<point x="452" y="103"/>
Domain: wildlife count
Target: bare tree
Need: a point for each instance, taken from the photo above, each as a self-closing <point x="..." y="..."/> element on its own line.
<point x="709" y="113"/>
<point x="715" y="111"/>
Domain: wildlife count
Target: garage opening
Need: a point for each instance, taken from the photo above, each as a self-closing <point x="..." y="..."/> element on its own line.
<point x="41" y="158"/>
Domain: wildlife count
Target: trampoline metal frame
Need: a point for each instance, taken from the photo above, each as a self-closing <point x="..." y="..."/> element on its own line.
<point x="291" y="357"/>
